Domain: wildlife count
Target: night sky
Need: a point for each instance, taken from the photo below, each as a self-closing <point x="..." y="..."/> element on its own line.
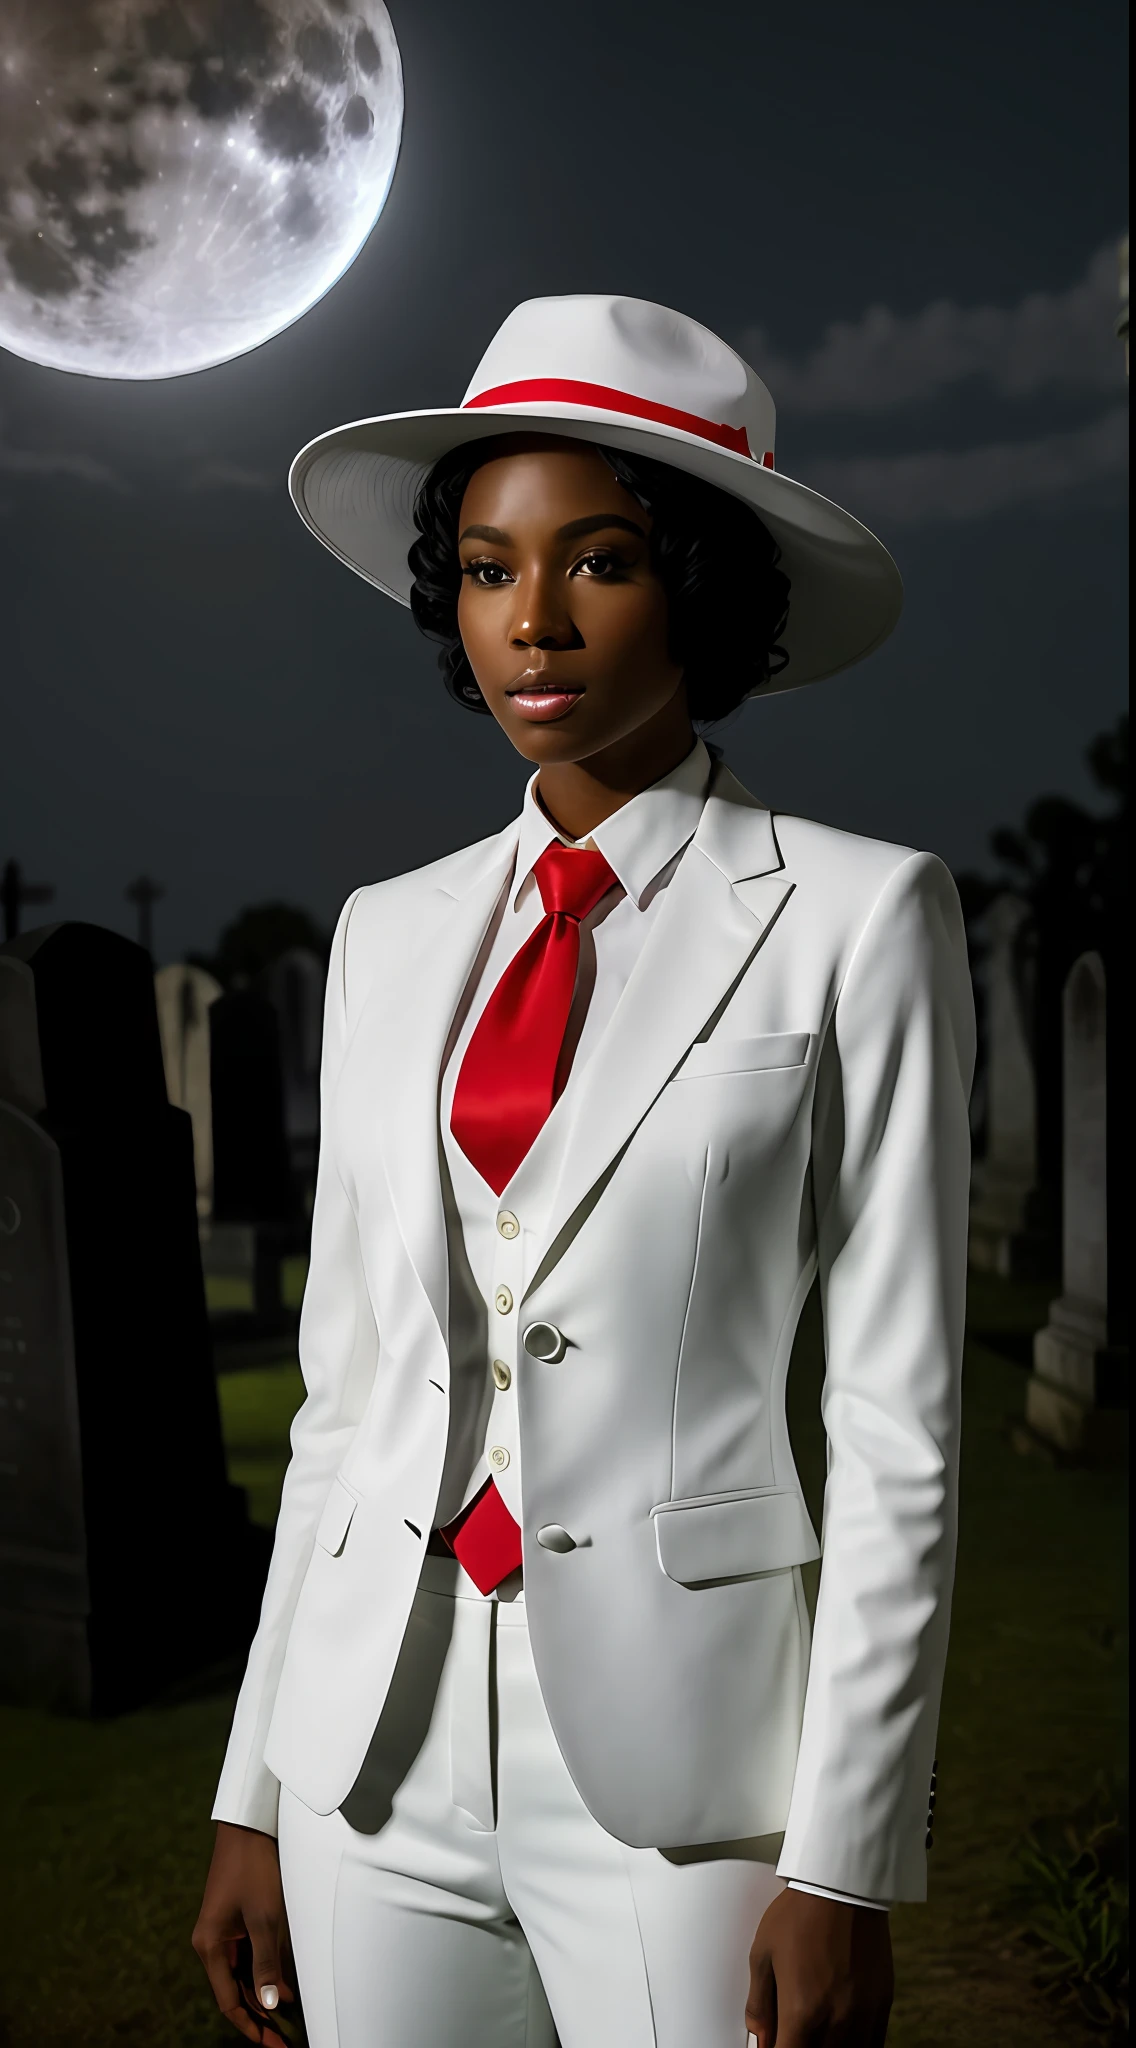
<point x="905" y="217"/>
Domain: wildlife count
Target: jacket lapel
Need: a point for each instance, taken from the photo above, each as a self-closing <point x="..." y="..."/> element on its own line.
<point x="411" y="1038"/>
<point x="726" y="892"/>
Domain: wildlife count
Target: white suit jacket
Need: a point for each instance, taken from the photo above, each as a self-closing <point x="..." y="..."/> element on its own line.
<point x="782" y="1088"/>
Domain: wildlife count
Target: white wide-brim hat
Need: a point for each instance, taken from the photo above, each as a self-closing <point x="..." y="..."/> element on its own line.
<point x="636" y="377"/>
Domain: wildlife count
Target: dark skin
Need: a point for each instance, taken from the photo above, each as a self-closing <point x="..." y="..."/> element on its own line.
<point x="559" y="596"/>
<point x="244" y="1898"/>
<point x="564" y="622"/>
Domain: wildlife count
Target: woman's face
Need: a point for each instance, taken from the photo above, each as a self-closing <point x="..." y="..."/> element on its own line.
<point x="561" y="614"/>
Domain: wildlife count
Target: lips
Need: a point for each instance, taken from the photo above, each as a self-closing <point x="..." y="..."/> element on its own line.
<point x="541" y="702"/>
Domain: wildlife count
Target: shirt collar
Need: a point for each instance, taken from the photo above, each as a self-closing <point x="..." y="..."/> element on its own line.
<point x="639" y="839"/>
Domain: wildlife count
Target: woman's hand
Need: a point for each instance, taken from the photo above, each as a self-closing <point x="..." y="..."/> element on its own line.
<point x="244" y="1901"/>
<point x="820" y="1975"/>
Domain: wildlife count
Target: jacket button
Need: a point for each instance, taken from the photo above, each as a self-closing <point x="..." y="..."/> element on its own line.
<point x="544" y="1341"/>
<point x="498" y="1457"/>
<point x="553" y="1537"/>
<point x="503" y="1301"/>
<point x="930" y="1842"/>
<point x="502" y="1377"/>
<point x="507" y="1224"/>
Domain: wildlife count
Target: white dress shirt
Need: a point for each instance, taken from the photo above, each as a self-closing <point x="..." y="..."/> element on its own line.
<point x="643" y="843"/>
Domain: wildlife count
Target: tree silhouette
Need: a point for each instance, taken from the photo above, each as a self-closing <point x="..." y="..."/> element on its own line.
<point x="257" y="937"/>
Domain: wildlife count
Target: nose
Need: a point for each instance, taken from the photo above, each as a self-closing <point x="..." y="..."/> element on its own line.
<point x="541" y="618"/>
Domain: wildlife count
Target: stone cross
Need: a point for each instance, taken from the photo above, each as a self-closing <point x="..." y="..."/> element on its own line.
<point x="15" y="892"/>
<point x="145" y="893"/>
<point x="1079" y="1378"/>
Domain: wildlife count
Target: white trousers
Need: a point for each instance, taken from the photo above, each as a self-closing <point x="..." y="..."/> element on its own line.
<point x="464" y="1897"/>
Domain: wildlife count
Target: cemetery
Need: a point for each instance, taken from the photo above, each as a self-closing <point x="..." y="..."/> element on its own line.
<point x="780" y="359"/>
<point x="157" y="1155"/>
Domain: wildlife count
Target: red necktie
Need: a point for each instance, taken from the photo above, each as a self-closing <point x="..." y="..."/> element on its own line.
<point x="505" y="1090"/>
<point x="507" y="1083"/>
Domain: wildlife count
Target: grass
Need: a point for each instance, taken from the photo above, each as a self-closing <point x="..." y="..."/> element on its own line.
<point x="106" y="1826"/>
<point x="1035" y="1707"/>
<point x="256" y="1411"/>
<point x="1074" y="1898"/>
<point x="233" y="1292"/>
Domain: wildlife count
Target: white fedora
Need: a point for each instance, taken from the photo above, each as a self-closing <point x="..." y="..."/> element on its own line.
<point x="637" y="377"/>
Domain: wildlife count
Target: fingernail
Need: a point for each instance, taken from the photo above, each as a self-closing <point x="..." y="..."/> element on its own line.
<point x="269" y="1997"/>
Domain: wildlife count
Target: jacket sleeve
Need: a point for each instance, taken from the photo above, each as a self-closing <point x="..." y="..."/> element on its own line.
<point x="891" y="1166"/>
<point x="338" y="1359"/>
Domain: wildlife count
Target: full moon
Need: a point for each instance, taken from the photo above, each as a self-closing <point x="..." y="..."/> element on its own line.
<point x="181" y="179"/>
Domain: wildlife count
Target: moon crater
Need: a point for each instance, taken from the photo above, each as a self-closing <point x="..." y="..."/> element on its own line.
<point x="181" y="179"/>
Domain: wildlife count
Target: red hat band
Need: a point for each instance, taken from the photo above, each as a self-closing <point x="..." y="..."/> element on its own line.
<point x="603" y="398"/>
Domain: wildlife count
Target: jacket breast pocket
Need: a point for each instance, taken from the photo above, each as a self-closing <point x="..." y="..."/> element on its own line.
<point x="733" y="1535"/>
<point x="761" y="1055"/>
<point x="335" y="1521"/>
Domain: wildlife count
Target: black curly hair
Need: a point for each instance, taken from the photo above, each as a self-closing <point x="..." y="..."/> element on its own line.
<point x="708" y="549"/>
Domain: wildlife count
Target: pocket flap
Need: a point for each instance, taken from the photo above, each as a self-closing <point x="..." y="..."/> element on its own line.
<point x="730" y="1535"/>
<point x="335" y="1520"/>
<point x="746" y="1055"/>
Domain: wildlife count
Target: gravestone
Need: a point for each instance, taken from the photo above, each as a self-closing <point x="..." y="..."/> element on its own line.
<point x="258" y="1217"/>
<point x="126" y="1558"/>
<point x="1080" y="1374"/>
<point x="184" y="997"/>
<point x="1007" y="1232"/>
<point x="294" y="985"/>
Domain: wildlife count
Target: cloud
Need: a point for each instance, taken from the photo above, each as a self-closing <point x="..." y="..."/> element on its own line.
<point x="213" y="474"/>
<point x="57" y="462"/>
<point x="219" y="475"/>
<point x="1048" y="341"/>
<point x="972" y="483"/>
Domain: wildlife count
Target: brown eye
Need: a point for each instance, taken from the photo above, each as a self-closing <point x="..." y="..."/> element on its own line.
<point x="487" y="575"/>
<point x="596" y="564"/>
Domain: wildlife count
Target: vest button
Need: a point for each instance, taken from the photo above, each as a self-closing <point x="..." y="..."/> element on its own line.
<point x="544" y="1341"/>
<point x="502" y="1377"/>
<point x="503" y="1301"/>
<point x="498" y="1457"/>
<point x="553" y="1537"/>
<point x="507" y="1224"/>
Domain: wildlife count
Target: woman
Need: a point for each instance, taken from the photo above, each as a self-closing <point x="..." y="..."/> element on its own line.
<point x="601" y="1095"/>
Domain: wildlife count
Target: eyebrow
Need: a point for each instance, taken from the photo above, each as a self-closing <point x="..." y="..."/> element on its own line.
<point x="592" y="522"/>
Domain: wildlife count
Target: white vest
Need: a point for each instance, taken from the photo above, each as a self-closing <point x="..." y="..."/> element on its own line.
<point x="494" y="1242"/>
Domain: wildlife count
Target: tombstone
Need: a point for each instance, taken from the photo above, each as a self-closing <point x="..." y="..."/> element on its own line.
<point x="257" y="1216"/>
<point x="294" y="985"/>
<point x="126" y="1558"/>
<point x="184" y="995"/>
<point x="1007" y="1226"/>
<point x="1080" y="1373"/>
